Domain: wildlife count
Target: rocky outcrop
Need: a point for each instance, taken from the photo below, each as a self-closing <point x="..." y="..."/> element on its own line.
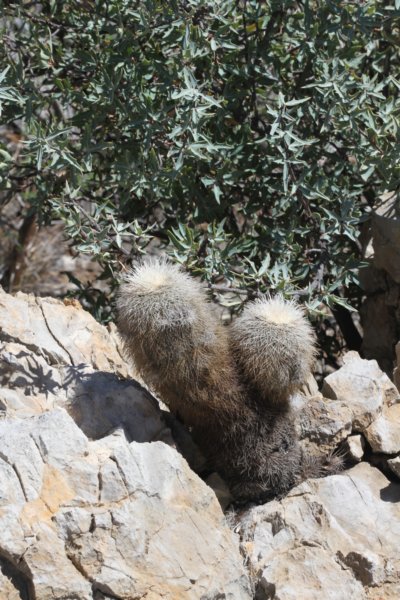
<point x="380" y="279"/>
<point x="97" y="503"/>
<point x="357" y="399"/>
<point x="333" y="538"/>
<point x="122" y="518"/>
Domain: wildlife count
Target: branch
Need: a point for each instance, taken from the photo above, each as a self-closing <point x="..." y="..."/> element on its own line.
<point x="235" y="290"/>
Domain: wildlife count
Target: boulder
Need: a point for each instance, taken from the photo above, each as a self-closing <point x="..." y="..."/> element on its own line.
<point x="386" y="243"/>
<point x="96" y="503"/>
<point x="323" y="422"/>
<point x="354" y="448"/>
<point x="333" y="538"/>
<point x="60" y="332"/>
<point x="380" y="279"/>
<point x="80" y="516"/>
<point x="362" y="387"/>
<point x="394" y="465"/>
<point x="383" y="434"/>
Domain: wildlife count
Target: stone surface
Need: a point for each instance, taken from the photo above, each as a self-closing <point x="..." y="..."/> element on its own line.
<point x="108" y="515"/>
<point x="394" y="465"/>
<point x="96" y="503"/>
<point x="97" y="400"/>
<point x="62" y="333"/>
<point x="362" y="387"/>
<point x="359" y="398"/>
<point x="354" y="448"/>
<point x="89" y="508"/>
<point x="324" y="422"/>
<point x="333" y="538"/>
<point x="380" y="318"/>
<point x="386" y="243"/>
<point x="13" y="584"/>
<point x="383" y="434"/>
<point x="380" y="279"/>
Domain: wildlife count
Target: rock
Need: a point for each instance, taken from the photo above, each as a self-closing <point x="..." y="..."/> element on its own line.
<point x="354" y="448"/>
<point x="394" y="465"/>
<point x="383" y="434"/>
<point x="324" y="422"/>
<point x="62" y="333"/>
<point x="13" y="584"/>
<point x="120" y="518"/>
<point x="380" y="280"/>
<point x="38" y="374"/>
<point x="396" y="374"/>
<point x="355" y="397"/>
<point x="333" y="538"/>
<point x="380" y="325"/>
<point x="310" y="387"/>
<point x="97" y="400"/>
<point x="96" y="503"/>
<point x="362" y="387"/>
<point x="386" y="243"/>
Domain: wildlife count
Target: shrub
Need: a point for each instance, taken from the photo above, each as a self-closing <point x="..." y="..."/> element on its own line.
<point x="250" y="138"/>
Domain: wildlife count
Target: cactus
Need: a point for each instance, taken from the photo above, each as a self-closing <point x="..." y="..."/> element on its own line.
<point x="230" y="385"/>
<point x="274" y="346"/>
<point x="178" y="344"/>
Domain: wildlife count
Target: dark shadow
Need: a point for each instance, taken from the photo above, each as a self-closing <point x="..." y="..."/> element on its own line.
<point x="391" y="493"/>
<point x="100" y="402"/>
<point x="18" y="579"/>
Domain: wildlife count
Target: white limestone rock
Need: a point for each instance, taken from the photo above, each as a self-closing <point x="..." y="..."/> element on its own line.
<point x="324" y="422"/>
<point x="120" y="518"/>
<point x="362" y="387"/>
<point x="61" y="332"/>
<point x="354" y="447"/>
<point x="333" y="538"/>
<point x="394" y="465"/>
<point x="383" y="434"/>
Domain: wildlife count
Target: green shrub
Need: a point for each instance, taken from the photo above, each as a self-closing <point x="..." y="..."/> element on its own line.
<point x="251" y="138"/>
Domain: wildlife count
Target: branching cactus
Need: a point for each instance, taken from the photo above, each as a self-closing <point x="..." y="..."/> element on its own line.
<point x="229" y="385"/>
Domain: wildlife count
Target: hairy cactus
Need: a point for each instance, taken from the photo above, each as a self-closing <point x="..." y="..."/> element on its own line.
<point x="274" y="346"/>
<point x="230" y="385"/>
<point x="178" y="344"/>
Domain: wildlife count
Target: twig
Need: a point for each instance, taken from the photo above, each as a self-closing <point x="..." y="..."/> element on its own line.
<point x="235" y="290"/>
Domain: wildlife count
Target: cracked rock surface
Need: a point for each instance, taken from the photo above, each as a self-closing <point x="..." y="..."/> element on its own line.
<point x="356" y="399"/>
<point x="333" y="538"/>
<point x="95" y="503"/>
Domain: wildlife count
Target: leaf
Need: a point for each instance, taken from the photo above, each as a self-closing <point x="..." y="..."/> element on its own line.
<point x="297" y="102"/>
<point x="217" y="193"/>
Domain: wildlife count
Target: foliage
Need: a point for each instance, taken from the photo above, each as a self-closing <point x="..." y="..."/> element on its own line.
<point x="251" y="138"/>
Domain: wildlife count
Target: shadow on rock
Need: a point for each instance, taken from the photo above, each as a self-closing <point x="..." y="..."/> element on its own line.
<point x="100" y="402"/>
<point x="13" y="581"/>
<point x="391" y="493"/>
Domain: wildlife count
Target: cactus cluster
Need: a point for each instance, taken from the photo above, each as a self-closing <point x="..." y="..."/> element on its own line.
<point x="230" y="385"/>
